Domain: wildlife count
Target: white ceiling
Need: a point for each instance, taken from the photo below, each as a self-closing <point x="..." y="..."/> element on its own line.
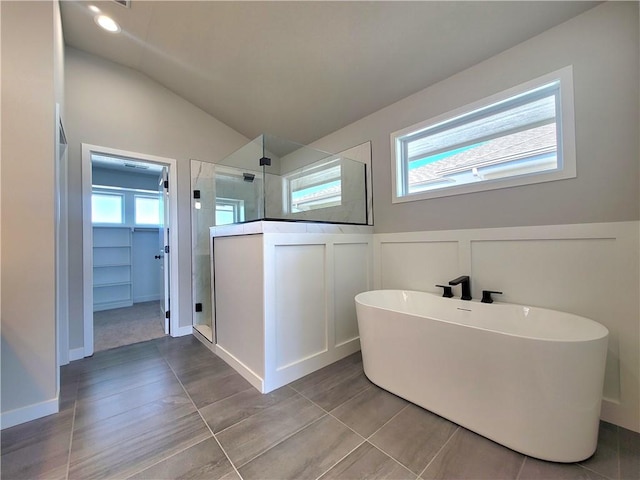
<point x="301" y="70"/>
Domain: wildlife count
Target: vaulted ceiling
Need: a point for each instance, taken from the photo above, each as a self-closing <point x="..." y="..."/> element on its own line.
<point x="301" y="70"/>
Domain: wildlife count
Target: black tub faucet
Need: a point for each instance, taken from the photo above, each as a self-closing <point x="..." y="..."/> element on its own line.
<point x="448" y="291"/>
<point x="466" y="286"/>
<point x="486" y="296"/>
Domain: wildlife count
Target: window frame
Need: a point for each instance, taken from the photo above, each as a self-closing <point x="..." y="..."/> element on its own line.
<point x="566" y="156"/>
<point x="121" y="196"/>
<point x="149" y="196"/>
<point x="236" y="204"/>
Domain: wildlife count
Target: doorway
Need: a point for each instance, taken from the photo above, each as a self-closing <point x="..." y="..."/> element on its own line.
<point x="130" y="277"/>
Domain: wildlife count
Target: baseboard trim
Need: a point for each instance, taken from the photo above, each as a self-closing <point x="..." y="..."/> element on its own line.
<point x="28" y="413"/>
<point x="146" y="298"/>
<point x="76" y="354"/>
<point x="182" y="331"/>
<point x="248" y="374"/>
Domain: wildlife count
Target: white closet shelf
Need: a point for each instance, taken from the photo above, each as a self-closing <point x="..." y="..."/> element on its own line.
<point x="112" y="284"/>
<point x="99" y="265"/>
<point x="112" y="267"/>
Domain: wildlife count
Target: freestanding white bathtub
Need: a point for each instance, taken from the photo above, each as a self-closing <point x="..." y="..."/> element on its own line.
<point x="528" y="378"/>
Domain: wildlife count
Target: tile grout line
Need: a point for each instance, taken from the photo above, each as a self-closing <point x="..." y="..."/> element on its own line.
<point x="365" y="439"/>
<point x="250" y="416"/>
<point x="342" y="458"/>
<point x="187" y="447"/>
<point x="73" y="423"/>
<point x="618" y="465"/>
<point x="282" y="440"/>
<point x="594" y="471"/>
<point x="203" y="420"/>
<point x="135" y="472"/>
<point x="618" y="469"/>
<point x="439" y="451"/>
<point x="392" y="458"/>
<point x="326" y="413"/>
<point x="521" y="467"/>
<point x="387" y="422"/>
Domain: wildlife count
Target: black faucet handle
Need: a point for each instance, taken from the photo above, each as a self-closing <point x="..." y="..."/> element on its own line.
<point x="486" y="296"/>
<point x="448" y="291"/>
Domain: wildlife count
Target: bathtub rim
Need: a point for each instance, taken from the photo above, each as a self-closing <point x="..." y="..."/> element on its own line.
<point x="604" y="331"/>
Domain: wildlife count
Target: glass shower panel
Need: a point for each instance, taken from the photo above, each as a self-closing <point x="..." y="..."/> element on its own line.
<point x="274" y="179"/>
<point x="203" y="216"/>
<point x="238" y="195"/>
<point x="329" y="190"/>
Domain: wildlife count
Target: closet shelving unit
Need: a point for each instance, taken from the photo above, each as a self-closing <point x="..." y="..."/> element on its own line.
<point x="112" y="276"/>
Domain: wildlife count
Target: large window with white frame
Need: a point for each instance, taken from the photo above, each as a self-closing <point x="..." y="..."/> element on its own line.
<point x="520" y="136"/>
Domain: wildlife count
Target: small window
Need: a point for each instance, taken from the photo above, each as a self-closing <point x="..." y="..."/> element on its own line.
<point x="107" y="208"/>
<point x="229" y="210"/>
<point x="147" y="210"/>
<point x="319" y="187"/>
<point x="522" y="136"/>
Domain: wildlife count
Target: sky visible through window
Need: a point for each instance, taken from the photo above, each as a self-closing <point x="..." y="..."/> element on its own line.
<point x="147" y="211"/>
<point x="441" y="156"/>
<point x="106" y="208"/>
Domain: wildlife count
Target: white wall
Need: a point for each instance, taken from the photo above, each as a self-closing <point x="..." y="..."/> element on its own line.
<point x="30" y="89"/>
<point x="570" y="275"/>
<point x="116" y="107"/>
<point x="603" y="47"/>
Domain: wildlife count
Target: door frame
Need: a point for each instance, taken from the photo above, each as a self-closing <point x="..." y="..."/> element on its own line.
<point x="62" y="242"/>
<point x="87" y="235"/>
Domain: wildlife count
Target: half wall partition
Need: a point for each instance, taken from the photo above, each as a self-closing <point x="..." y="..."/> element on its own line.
<point x="269" y="179"/>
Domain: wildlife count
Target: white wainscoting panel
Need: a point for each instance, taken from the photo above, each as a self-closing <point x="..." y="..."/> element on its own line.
<point x="416" y="265"/>
<point x="584" y="284"/>
<point x="300" y="303"/>
<point x="352" y="267"/>
<point x="589" y="269"/>
<point x="239" y="299"/>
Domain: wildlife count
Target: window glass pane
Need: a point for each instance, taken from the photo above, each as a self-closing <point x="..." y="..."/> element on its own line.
<point x="470" y="128"/>
<point x="147" y="211"/>
<point x="514" y="137"/>
<point x="106" y="208"/>
<point x="229" y="210"/>
<point x="320" y="187"/>
<point x="529" y="151"/>
<point x="224" y="214"/>
<point x="319" y="196"/>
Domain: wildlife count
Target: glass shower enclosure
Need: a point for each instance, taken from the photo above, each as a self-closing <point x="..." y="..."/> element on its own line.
<point x="270" y="179"/>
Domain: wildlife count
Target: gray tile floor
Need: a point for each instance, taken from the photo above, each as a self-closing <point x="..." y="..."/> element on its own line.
<point x="169" y="408"/>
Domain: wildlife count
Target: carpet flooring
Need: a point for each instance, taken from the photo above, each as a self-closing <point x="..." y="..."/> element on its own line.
<point x="125" y="326"/>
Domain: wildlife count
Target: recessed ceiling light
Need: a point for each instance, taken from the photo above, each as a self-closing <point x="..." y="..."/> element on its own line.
<point x="107" y="23"/>
<point x="94" y="9"/>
